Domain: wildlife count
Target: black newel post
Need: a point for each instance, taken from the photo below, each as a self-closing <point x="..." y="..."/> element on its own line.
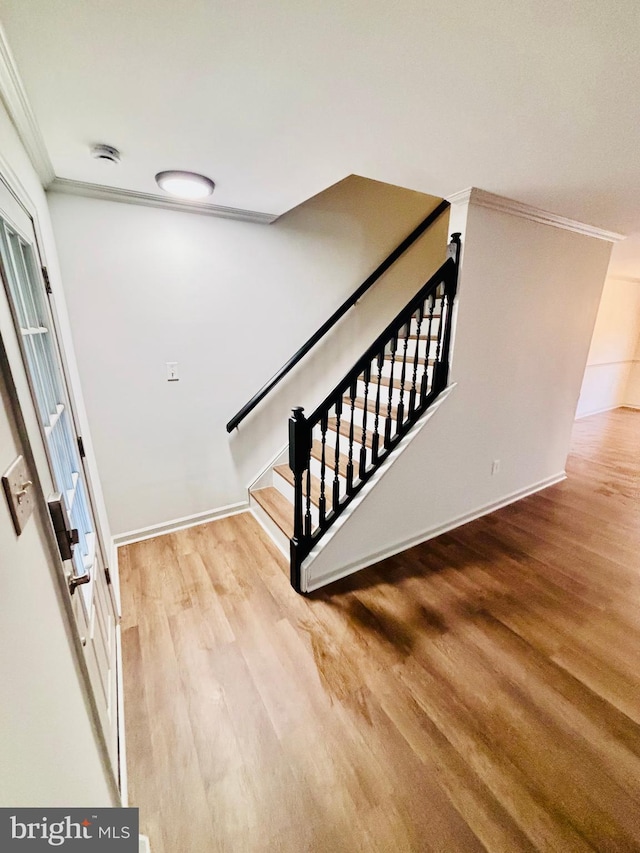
<point x="299" y="460"/>
<point x="453" y="251"/>
<point x="451" y="285"/>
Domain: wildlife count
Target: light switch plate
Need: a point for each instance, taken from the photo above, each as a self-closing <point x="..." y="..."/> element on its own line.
<point x="19" y="490"/>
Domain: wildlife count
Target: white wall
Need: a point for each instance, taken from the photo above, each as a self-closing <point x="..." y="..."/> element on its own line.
<point x="48" y="749"/>
<point x="612" y="365"/>
<point x="230" y="302"/>
<point x="632" y="391"/>
<point x="528" y="299"/>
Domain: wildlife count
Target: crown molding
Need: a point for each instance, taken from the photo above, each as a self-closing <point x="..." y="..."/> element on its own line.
<point x="14" y="96"/>
<point x="99" y="191"/>
<point x="482" y="198"/>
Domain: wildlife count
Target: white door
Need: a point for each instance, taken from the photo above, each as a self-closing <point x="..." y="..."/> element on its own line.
<point x="61" y="469"/>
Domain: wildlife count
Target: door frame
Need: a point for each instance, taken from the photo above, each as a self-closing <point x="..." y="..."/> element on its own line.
<point x="115" y="774"/>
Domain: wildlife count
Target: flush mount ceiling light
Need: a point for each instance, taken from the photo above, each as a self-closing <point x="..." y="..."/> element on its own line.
<point x="187" y="185"/>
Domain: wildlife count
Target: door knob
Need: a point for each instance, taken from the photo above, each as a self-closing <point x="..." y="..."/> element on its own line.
<point x="75" y="580"/>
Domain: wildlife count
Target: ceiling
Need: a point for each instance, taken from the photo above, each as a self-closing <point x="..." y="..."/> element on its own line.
<point x="277" y="99"/>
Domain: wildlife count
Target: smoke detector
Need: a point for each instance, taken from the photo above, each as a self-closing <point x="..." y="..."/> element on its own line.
<point x="105" y="153"/>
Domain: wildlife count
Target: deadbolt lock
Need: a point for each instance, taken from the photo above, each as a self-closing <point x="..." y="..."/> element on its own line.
<point x="67" y="537"/>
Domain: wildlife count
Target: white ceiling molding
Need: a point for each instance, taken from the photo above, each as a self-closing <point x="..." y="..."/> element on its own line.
<point x="89" y="190"/>
<point x="482" y="198"/>
<point x="15" y="99"/>
<point x="629" y="278"/>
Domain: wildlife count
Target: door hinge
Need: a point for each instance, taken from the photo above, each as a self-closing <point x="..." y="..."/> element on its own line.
<point x="47" y="283"/>
<point x="107" y="575"/>
<point x="81" y="450"/>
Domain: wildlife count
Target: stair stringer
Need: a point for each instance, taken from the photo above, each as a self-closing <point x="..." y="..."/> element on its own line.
<point x="327" y="575"/>
<point x="263" y="479"/>
<point x="265" y="476"/>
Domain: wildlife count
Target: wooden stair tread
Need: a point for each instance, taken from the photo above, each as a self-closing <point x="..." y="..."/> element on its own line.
<point x="384" y="380"/>
<point x="330" y="457"/>
<point x="410" y="356"/>
<point x="345" y="427"/>
<point x="286" y="472"/>
<point x="371" y="404"/>
<point x="277" y="507"/>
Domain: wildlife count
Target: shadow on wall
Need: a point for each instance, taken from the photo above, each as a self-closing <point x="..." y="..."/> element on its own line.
<point x="345" y="232"/>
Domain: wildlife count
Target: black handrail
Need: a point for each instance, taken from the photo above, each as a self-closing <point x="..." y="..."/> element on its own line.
<point x="340" y="312"/>
<point x="360" y="448"/>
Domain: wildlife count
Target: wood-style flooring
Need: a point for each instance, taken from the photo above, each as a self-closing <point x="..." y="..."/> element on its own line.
<point x="477" y="692"/>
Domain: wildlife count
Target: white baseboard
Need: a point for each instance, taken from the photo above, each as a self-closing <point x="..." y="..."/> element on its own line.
<point x="114" y="571"/>
<point x="122" y="742"/>
<point x="371" y="559"/>
<point x="179" y="524"/>
<point x="599" y="411"/>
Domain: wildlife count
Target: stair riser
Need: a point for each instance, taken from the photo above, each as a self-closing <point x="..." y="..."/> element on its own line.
<point x="384" y="393"/>
<point x="396" y="397"/>
<point x="409" y="366"/>
<point x="283" y="472"/>
<point x="382" y="401"/>
<point x="397" y="373"/>
<point x="424" y="327"/>
<point x="359" y="412"/>
<point x="384" y="389"/>
<point x="316" y="469"/>
<point x="282" y="486"/>
<point x="410" y="359"/>
<point x="270" y="526"/>
<point x="344" y="445"/>
<point x="286" y="489"/>
<point x="358" y="420"/>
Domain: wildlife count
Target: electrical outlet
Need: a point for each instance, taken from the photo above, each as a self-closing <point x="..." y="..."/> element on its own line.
<point x="495" y="467"/>
<point x="172" y="371"/>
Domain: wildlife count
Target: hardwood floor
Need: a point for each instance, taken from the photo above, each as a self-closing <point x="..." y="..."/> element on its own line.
<point x="477" y="692"/>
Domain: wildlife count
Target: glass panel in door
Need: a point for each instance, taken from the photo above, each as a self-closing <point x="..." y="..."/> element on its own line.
<point x="43" y="365"/>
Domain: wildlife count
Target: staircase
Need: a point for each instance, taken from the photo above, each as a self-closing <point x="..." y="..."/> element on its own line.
<point x="277" y="499"/>
<point x="334" y="451"/>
